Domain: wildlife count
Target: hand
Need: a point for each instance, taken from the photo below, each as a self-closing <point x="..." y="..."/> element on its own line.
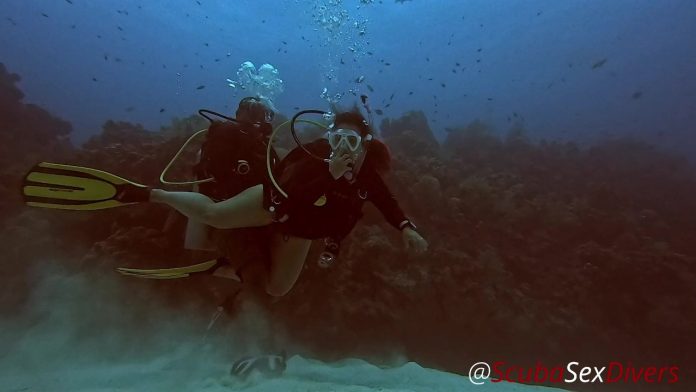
<point x="340" y="164"/>
<point x="413" y="241"/>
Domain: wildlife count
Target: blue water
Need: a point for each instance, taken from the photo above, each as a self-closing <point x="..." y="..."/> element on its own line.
<point x="573" y="69"/>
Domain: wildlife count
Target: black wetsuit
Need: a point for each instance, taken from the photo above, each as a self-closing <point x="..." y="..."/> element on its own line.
<point x="306" y="179"/>
<point x="235" y="155"/>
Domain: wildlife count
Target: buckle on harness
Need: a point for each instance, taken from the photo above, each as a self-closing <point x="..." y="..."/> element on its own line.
<point x="275" y="197"/>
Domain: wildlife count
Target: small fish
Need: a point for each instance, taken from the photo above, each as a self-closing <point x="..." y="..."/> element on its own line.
<point x="198" y="2"/>
<point x="296" y="108"/>
<point x="427" y="59"/>
<point x="162" y="110"/>
<point x="479" y="50"/>
<point x="457" y="64"/>
<point x="284" y="42"/>
<point x="387" y="105"/>
<point x="130" y="109"/>
<point x="370" y="88"/>
<point x="120" y="28"/>
<point x="410" y="93"/>
<point x="360" y="79"/>
<point x="73" y="26"/>
<point x="369" y="53"/>
<point x="443" y="85"/>
<point x="599" y="63"/>
<point x="206" y="44"/>
<point x="106" y="57"/>
<point x="387" y="64"/>
<point x="94" y="79"/>
<point x="392" y="96"/>
<point x="637" y="94"/>
<point x="69" y="1"/>
<point x="201" y="87"/>
<point x="118" y="59"/>
<point x="44" y="15"/>
<point x="490" y="99"/>
<point x="379" y="111"/>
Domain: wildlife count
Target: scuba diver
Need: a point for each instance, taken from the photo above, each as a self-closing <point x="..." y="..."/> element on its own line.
<point x="234" y="154"/>
<point x="327" y="182"/>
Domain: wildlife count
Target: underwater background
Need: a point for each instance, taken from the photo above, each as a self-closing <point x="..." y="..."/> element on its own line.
<point x="544" y="148"/>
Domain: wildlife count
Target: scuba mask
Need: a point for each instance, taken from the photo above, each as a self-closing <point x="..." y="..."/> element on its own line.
<point x="346" y="137"/>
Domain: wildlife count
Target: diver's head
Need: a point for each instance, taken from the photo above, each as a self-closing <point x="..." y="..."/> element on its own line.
<point x="351" y="134"/>
<point x="254" y="110"/>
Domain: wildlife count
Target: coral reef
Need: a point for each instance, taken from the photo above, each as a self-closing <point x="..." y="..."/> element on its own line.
<point x="28" y="133"/>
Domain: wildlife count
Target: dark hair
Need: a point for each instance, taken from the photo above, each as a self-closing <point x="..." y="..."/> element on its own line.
<point x="378" y="156"/>
<point x="254" y="110"/>
<point x="356" y="119"/>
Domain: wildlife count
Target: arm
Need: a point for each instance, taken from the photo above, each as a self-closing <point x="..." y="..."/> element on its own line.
<point x="380" y="195"/>
<point x="385" y="201"/>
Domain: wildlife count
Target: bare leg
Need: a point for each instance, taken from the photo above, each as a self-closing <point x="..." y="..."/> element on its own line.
<point x="243" y="210"/>
<point x="287" y="259"/>
<point x="197" y="234"/>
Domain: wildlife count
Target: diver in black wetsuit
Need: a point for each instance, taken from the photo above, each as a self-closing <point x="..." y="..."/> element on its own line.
<point x="324" y="199"/>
